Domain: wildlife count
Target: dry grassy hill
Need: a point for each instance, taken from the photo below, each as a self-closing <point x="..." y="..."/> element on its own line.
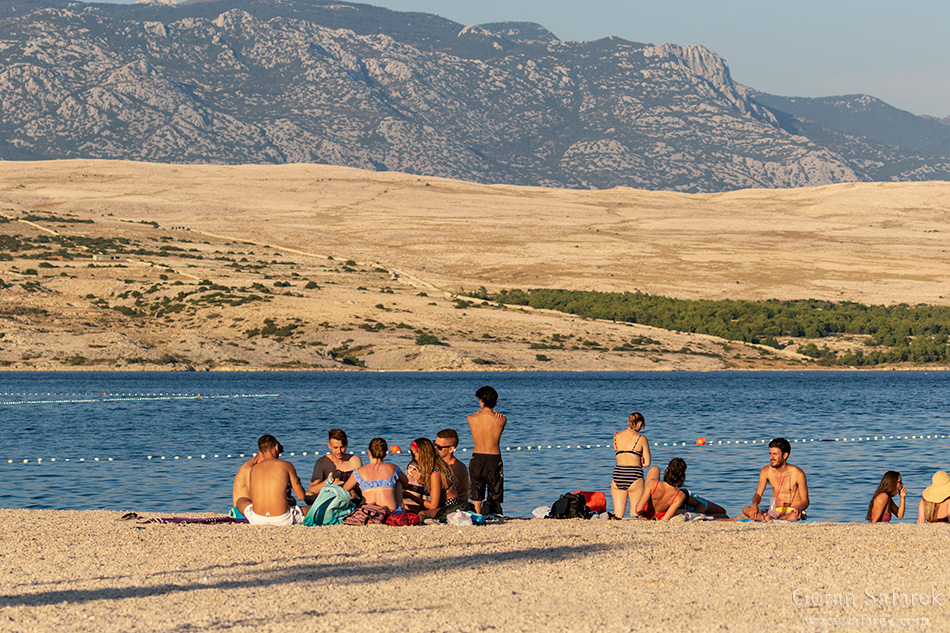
<point x="317" y="267"/>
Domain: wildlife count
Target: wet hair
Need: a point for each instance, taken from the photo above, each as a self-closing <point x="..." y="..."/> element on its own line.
<point x="267" y="442"/>
<point x="781" y="444"/>
<point x="378" y="448"/>
<point x="339" y="435"/>
<point x="636" y="421"/>
<point x="675" y="473"/>
<point x="449" y="434"/>
<point x="428" y="460"/>
<point x="487" y="395"/>
<point x="887" y="485"/>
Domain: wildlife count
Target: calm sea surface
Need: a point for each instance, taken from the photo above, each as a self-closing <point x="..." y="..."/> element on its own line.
<point x="54" y="420"/>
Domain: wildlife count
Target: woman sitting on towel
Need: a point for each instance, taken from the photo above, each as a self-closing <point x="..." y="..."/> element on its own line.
<point x="935" y="505"/>
<point x="675" y="475"/>
<point x="632" y="450"/>
<point x="436" y="477"/>
<point x="882" y="506"/>
<point x="380" y="482"/>
<point x="660" y="500"/>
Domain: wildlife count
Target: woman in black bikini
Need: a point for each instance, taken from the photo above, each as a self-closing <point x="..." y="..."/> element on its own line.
<point x="435" y="475"/>
<point x="633" y="454"/>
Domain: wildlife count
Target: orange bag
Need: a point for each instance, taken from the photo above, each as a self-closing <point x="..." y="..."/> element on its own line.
<point x="596" y="501"/>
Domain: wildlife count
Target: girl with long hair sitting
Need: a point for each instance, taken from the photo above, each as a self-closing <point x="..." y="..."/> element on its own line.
<point x="882" y="506"/>
<point x="436" y="477"/>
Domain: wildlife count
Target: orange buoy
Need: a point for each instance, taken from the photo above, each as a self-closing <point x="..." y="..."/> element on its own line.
<point x="394" y="449"/>
<point x="701" y="441"/>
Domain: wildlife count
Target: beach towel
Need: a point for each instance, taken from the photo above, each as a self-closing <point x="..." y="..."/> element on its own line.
<point x="330" y="507"/>
<point x="193" y="521"/>
<point x="406" y="518"/>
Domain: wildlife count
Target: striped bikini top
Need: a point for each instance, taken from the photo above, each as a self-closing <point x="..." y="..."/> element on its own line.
<point x="637" y="453"/>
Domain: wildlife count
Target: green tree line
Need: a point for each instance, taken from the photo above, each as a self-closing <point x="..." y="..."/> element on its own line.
<point x="898" y="333"/>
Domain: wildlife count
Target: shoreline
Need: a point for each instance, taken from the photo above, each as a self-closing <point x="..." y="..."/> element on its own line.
<point x="83" y="570"/>
<point x="524" y="370"/>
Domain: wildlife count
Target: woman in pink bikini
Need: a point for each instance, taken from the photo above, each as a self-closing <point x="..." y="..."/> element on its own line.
<point x="882" y="506"/>
<point x="660" y="500"/>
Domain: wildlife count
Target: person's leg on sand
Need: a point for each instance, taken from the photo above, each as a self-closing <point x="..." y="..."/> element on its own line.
<point x="620" y="500"/>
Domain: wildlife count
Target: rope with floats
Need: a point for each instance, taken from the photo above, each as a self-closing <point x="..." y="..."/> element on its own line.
<point x="395" y="449"/>
<point x="75" y="398"/>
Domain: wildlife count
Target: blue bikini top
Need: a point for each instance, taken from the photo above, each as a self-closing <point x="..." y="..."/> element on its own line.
<point x="389" y="482"/>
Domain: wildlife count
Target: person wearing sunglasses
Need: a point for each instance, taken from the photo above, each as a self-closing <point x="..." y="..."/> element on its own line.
<point x="446" y="441"/>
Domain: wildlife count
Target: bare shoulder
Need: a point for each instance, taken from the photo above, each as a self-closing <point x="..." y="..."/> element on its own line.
<point x="797" y="472"/>
<point x="500" y="417"/>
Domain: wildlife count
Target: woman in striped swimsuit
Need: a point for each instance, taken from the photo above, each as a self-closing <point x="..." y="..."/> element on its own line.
<point x="633" y="454"/>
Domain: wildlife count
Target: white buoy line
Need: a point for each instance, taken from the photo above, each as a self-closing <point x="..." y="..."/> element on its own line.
<point x="533" y="447"/>
<point x="128" y="397"/>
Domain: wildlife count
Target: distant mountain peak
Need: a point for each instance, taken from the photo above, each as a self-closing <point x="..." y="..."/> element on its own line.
<point x="326" y="81"/>
<point x="528" y="31"/>
<point x="167" y="3"/>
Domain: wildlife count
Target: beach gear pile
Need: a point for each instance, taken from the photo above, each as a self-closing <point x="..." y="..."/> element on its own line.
<point x="580" y="504"/>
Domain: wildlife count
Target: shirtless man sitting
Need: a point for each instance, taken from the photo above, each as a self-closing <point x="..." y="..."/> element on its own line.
<point x="446" y="441"/>
<point x="268" y="479"/>
<point x="789" y="488"/>
<point x="334" y="468"/>
<point x="485" y="468"/>
<point x="242" y="480"/>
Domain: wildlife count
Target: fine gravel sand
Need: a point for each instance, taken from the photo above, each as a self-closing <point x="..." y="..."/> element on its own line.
<point x="85" y="571"/>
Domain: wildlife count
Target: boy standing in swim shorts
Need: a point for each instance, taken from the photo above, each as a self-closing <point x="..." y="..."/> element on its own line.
<point x="485" y="468"/>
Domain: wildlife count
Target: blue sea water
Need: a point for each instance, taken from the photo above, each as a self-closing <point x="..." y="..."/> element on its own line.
<point x="54" y="420"/>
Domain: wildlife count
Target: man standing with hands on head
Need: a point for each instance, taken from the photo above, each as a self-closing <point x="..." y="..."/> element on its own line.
<point x="485" y="468"/>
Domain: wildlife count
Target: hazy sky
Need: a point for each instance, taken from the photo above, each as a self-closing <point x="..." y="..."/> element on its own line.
<point x="809" y="48"/>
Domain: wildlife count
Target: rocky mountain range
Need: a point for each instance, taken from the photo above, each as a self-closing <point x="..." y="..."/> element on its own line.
<point x="324" y="81"/>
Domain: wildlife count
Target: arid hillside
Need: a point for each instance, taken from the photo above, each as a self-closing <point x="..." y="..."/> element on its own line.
<point x="118" y="265"/>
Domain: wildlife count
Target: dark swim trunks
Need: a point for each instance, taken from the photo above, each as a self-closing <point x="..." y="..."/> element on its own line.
<point x="487" y="474"/>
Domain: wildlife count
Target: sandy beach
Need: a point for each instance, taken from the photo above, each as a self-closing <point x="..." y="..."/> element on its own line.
<point x="85" y="571"/>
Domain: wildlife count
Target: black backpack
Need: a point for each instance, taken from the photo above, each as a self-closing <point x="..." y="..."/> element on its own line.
<point x="570" y="506"/>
